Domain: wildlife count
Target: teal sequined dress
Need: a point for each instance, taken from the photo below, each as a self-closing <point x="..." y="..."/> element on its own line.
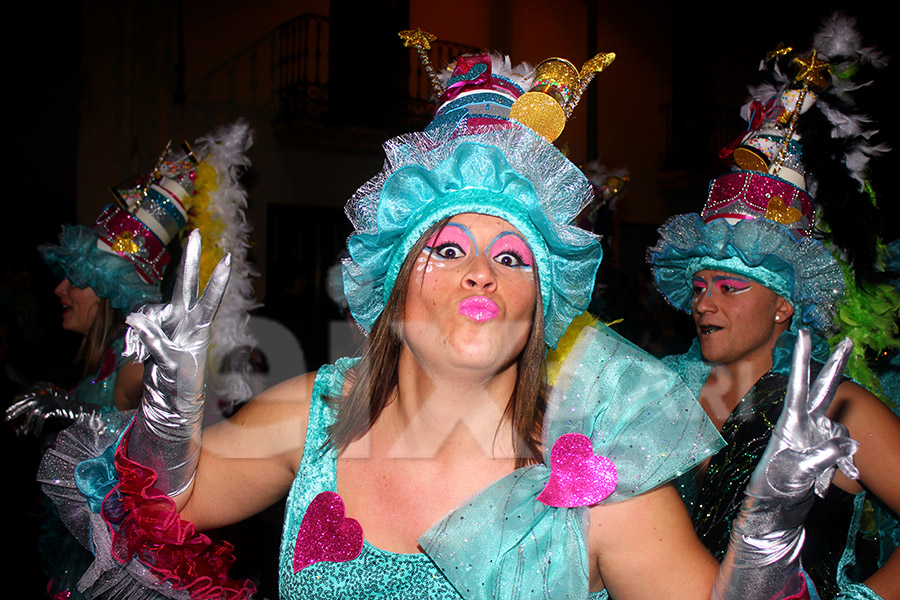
<point x="503" y="543"/>
<point x="830" y="554"/>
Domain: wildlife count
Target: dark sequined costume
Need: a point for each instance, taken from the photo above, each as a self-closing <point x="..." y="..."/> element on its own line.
<point x="715" y="501"/>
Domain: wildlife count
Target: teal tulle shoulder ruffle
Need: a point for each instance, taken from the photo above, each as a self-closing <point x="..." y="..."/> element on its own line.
<point x="78" y="258"/>
<point x="504" y="543"/>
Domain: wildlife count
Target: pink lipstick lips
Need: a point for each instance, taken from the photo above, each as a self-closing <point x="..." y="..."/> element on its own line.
<point x="479" y="308"/>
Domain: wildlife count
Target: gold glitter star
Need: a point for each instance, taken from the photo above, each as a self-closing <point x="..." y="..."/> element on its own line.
<point x="811" y="71"/>
<point x="417" y="38"/>
<point x="779" y="50"/>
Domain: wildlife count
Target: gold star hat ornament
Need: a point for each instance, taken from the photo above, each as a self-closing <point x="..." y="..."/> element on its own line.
<point x="769" y="179"/>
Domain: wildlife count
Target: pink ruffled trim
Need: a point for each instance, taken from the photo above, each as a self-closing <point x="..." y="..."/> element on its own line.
<point x="798" y="582"/>
<point x="144" y="524"/>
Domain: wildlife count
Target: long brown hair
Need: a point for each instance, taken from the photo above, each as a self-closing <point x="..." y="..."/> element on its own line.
<point x="108" y="324"/>
<point x="375" y="379"/>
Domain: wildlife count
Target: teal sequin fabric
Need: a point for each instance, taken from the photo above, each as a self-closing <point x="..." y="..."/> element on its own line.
<point x="503" y="543"/>
<point x="65" y="559"/>
<point x="375" y="573"/>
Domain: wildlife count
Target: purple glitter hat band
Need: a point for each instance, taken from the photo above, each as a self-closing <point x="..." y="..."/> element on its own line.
<point x="753" y="195"/>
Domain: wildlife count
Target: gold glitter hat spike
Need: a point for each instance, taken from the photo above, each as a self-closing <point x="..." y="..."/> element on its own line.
<point x="421" y="41"/>
<point x="773" y="147"/>
<point x="556" y="89"/>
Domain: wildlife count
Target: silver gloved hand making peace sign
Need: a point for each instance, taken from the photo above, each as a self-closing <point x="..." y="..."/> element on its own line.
<point x="763" y="560"/>
<point x="175" y="338"/>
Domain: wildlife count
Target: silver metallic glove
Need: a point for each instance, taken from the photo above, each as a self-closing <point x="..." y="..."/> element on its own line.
<point x="44" y="402"/>
<point x="175" y="337"/>
<point x="763" y="559"/>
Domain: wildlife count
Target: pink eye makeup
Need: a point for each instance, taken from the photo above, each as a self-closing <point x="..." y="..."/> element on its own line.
<point x="455" y="241"/>
<point x="452" y="241"/>
<point x="727" y="284"/>
<point x="731" y="284"/>
<point x="698" y="285"/>
<point x="509" y="249"/>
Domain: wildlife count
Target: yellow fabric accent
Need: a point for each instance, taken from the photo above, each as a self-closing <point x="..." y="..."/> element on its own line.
<point x="556" y="357"/>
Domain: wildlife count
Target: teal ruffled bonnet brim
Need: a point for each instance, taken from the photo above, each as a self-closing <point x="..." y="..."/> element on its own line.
<point x="512" y="174"/>
<point x="78" y="258"/>
<point x="799" y="269"/>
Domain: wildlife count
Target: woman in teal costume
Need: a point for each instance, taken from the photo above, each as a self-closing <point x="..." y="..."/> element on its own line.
<point x="440" y="465"/>
<point x="463" y="267"/>
<point x="97" y="290"/>
<point x="100" y="285"/>
<point x="750" y="275"/>
<point x="738" y="369"/>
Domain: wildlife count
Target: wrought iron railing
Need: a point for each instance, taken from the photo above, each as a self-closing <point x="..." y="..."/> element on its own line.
<point x="302" y="68"/>
<point x="302" y="73"/>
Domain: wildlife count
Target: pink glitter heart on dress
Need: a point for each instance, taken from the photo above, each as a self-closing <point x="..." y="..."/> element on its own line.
<point x="326" y="534"/>
<point x="578" y="477"/>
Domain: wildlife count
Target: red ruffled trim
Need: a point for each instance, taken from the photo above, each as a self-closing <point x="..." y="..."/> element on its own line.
<point x="144" y="524"/>
<point x="108" y="365"/>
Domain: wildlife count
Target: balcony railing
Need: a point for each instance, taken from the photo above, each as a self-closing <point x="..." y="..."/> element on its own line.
<point x="302" y="68"/>
<point x="303" y="74"/>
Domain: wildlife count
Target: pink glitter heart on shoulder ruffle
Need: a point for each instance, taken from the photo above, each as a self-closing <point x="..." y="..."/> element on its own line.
<point x="578" y="477"/>
<point x="326" y="534"/>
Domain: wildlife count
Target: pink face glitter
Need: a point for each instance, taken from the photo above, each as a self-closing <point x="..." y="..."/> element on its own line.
<point x="578" y="477"/>
<point x="326" y="534"/>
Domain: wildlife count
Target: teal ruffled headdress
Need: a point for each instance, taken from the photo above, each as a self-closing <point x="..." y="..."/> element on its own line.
<point x="474" y="159"/>
<point x="799" y="269"/>
<point x="122" y="257"/>
<point x="78" y="258"/>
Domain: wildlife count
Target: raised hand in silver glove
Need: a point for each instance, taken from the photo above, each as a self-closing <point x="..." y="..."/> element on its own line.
<point x="763" y="560"/>
<point x="44" y="402"/>
<point x="175" y="338"/>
